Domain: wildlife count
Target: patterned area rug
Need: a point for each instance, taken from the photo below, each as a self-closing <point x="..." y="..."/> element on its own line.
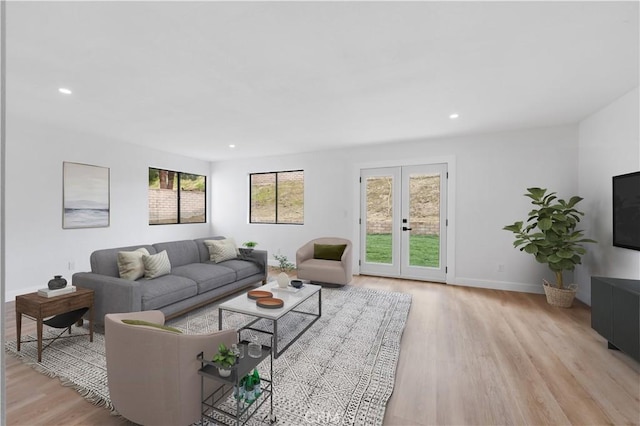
<point x="340" y="371"/>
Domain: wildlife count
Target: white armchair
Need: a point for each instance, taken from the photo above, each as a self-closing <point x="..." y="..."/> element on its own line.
<point x="316" y="270"/>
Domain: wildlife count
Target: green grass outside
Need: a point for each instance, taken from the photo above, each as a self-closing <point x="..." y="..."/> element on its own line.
<point x="424" y="249"/>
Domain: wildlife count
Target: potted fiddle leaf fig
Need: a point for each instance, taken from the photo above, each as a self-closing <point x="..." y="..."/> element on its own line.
<point x="550" y="235"/>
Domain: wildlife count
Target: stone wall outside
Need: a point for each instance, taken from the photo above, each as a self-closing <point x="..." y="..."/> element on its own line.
<point x="163" y="206"/>
<point x="420" y="227"/>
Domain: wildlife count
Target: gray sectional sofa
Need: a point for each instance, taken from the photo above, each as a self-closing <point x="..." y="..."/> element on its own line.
<point x="194" y="280"/>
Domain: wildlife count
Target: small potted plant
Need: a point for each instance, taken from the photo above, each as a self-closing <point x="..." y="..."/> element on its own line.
<point x="248" y="248"/>
<point x="284" y="267"/>
<point x="225" y="359"/>
<point x="550" y="235"/>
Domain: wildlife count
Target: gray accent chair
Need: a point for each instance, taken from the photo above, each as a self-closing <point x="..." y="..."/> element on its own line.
<point x="323" y="271"/>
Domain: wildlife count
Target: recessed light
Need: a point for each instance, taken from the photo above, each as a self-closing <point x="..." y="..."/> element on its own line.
<point x="232" y="146"/>
<point x="454" y="115"/>
<point x="64" y="90"/>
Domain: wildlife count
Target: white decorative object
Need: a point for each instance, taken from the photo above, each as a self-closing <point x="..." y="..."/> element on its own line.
<point x="283" y="280"/>
<point x="224" y="372"/>
<point x="46" y="292"/>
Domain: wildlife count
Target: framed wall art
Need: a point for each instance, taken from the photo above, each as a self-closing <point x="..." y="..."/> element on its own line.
<point x="85" y="196"/>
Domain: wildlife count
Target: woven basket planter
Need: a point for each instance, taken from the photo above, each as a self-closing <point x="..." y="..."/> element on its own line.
<point x="560" y="297"/>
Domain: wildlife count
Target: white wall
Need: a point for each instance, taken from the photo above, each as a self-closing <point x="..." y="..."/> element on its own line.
<point x="327" y="209"/>
<point x="491" y="174"/>
<point x="609" y="145"/>
<point x="36" y="245"/>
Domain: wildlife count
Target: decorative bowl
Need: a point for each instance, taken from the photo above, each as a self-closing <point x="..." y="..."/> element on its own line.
<point x="296" y="283"/>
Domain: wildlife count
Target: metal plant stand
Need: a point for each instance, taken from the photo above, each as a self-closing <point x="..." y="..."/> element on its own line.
<point x="213" y="402"/>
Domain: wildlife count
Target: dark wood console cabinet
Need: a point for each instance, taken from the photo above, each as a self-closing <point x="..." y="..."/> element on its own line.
<point x="615" y="313"/>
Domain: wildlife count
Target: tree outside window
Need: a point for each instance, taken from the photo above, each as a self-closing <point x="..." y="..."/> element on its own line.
<point x="176" y="197"/>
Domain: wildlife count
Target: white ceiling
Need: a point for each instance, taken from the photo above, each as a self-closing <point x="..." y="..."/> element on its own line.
<point x="285" y="77"/>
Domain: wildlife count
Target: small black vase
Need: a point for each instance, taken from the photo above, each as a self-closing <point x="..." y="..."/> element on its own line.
<point x="57" y="282"/>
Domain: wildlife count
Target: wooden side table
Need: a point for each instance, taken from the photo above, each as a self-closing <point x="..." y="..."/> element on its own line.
<point x="39" y="308"/>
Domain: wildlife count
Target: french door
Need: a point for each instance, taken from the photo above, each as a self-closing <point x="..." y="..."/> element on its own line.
<point x="403" y="222"/>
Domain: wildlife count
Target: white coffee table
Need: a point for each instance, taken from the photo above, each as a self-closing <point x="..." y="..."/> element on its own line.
<point x="291" y="297"/>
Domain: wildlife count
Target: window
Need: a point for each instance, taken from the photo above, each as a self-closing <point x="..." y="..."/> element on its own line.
<point x="277" y="197"/>
<point x="176" y="197"/>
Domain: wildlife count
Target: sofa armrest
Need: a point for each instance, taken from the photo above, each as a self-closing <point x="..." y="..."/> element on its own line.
<point x="347" y="261"/>
<point x="304" y="253"/>
<point x="111" y="294"/>
<point x="261" y="258"/>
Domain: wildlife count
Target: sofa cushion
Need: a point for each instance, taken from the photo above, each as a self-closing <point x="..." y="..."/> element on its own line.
<point x="324" y="271"/>
<point x="130" y="265"/>
<point x="206" y="275"/>
<point x="221" y="250"/>
<point x="180" y="252"/>
<point x="243" y="268"/>
<point x="156" y="265"/>
<point x="165" y="290"/>
<point x="328" y="251"/>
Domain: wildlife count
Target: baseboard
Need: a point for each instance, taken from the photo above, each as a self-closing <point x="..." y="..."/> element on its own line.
<point x="498" y="285"/>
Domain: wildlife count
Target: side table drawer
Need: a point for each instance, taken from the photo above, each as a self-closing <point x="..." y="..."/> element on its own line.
<point x="67" y="304"/>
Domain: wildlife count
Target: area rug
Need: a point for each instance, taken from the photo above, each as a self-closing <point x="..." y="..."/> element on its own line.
<point x="340" y="371"/>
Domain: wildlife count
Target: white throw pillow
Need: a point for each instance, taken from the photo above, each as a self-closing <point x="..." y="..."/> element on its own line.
<point x="130" y="264"/>
<point x="221" y="250"/>
<point x="156" y="265"/>
<point x="231" y="242"/>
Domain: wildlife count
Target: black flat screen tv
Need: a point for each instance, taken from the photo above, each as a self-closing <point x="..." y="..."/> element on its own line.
<point x="626" y="211"/>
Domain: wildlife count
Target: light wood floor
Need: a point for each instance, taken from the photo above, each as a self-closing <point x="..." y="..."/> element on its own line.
<point x="468" y="357"/>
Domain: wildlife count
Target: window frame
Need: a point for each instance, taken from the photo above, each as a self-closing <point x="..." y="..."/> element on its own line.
<point x="179" y="197"/>
<point x="276" y="173"/>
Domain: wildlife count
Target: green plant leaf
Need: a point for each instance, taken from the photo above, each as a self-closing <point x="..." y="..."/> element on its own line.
<point x="531" y="248"/>
<point x="554" y="258"/>
<point x="555" y="267"/>
<point x="540" y="257"/>
<point x="565" y="254"/>
<point x="516" y="227"/>
<point x="535" y="193"/>
<point x="574" y="200"/>
<point x="545" y="224"/>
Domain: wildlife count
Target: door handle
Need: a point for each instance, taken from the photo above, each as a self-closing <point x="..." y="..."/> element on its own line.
<point x="404" y="228"/>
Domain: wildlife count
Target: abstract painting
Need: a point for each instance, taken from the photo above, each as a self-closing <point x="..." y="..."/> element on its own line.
<point x="85" y="196"/>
